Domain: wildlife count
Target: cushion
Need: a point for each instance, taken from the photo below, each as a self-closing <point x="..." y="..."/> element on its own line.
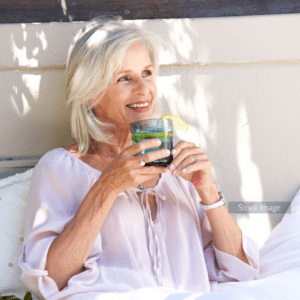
<point x="13" y="193"/>
<point x="281" y="251"/>
<point x="279" y="274"/>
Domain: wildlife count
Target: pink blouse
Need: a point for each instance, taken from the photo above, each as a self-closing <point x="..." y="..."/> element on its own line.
<point x="131" y="251"/>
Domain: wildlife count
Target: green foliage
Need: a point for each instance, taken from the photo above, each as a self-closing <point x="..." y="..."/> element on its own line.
<point x="27" y="296"/>
<point x="12" y="297"/>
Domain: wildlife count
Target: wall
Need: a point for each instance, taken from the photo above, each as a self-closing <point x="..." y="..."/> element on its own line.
<point x="235" y="81"/>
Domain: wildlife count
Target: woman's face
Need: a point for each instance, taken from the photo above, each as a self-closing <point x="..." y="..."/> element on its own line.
<point x="133" y="84"/>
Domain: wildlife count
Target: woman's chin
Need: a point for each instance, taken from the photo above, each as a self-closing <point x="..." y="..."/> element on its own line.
<point x="142" y="117"/>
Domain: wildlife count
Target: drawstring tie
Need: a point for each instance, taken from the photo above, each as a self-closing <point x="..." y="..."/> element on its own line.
<point x="154" y="247"/>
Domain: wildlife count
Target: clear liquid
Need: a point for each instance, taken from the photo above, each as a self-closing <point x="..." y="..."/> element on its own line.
<point x="166" y="143"/>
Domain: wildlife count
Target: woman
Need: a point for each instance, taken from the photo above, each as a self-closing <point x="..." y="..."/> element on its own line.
<point x="90" y="227"/>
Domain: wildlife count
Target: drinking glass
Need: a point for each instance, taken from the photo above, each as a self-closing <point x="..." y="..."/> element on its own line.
<point x="161" y="129"/>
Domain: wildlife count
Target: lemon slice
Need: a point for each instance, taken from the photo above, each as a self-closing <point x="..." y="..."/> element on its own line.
<point x="178" y="123"/>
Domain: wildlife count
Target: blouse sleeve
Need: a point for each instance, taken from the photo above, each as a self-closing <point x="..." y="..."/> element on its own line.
<point x="57" y="188"/>
<point x="223" y="267"/>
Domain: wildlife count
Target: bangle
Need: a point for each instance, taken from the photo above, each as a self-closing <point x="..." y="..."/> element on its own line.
<point x="214" y="205"/>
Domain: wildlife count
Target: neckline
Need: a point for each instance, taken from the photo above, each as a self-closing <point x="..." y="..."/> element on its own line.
<point x="88" y="166"/>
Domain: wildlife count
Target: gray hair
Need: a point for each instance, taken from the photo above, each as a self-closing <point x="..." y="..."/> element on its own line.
<point x="95" y="54"/>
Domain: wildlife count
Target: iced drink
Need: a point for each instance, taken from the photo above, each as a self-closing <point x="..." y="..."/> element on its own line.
<point x="161" y="129"/>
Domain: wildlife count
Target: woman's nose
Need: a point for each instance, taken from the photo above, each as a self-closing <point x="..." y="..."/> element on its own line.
<point x="141" y="86"/>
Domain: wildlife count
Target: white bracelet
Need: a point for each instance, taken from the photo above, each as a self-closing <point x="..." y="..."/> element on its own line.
<point x="214" y="205"/>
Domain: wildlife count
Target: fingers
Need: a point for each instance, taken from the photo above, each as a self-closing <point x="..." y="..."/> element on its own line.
<point x="127" y="170"/>
<point x="184" y="158"/>
<point x="189" y="164"/>
<point x="154" y="155"/>
<point x="183" y="147"/>
<point x="194" y="166"/>
<point x="143" y="145"/>
<point x="151" y="156"/>
<point x="152" y="170"/>
<point x="130" y="155"/>
<point x="132" y="152"/>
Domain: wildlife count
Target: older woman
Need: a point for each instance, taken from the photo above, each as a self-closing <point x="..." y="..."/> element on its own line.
<point x="90" y="226"/>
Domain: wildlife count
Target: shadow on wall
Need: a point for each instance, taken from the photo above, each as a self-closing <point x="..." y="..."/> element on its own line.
<point x="33" y="86"/>
<point x="27" y="46"/>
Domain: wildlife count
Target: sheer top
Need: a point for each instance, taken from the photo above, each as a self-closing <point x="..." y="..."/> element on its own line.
<point x="131" y="251"/>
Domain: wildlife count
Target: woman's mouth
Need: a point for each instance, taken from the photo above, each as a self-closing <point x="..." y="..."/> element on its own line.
<point x="139" y="107"/>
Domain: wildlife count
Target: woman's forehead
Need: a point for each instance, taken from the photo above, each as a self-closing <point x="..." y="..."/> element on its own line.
<point x="136" y="57"/>
<point x="134" y="52"/>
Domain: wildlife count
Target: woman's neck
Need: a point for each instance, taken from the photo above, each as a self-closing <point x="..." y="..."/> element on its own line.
<point x="121" y="140"/>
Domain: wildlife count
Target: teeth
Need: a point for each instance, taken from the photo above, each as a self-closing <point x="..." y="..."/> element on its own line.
<point x="139" y="105"/>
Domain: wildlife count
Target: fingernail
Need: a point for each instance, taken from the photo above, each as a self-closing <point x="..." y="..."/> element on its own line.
<point x="173" y="151"/>
<point x="158" y="141"/>
<point x="168" y="152"/>
<point x="184" y="170"/>
<point x="174" y="172"/>
<point x="171" y="166"/>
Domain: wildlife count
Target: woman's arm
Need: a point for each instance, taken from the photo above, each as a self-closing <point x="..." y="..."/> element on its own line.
<point x="227" y="235"/>
<point x="193" y="165"/>
<point x="69" y="251"/>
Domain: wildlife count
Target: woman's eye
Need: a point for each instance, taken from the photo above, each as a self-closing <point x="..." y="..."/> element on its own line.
<point x="147" y="73"/>
<point x="127" y="78"/>
<point x="123" y="78"/>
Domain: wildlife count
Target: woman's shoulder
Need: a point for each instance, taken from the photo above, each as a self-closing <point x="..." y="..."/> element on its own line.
<point x="60" y="171"/>
<point x="64" y="160"/>
<point x="57" y="156"/>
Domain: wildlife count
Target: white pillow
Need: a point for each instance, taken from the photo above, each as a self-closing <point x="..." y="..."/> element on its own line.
<point x="13" y="193"/>
<point x="281" y="251"/>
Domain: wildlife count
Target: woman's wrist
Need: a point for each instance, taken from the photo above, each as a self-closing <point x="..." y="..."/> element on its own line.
<point x="104" y="184"/>
<point x="208" y="193"/>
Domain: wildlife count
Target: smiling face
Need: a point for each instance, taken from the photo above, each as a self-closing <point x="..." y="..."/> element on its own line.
<point x="133" y="84"/>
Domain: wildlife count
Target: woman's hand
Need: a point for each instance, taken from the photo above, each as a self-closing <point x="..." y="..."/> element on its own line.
<point x="185" y="165"/>
<point x="125" y="170"/>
